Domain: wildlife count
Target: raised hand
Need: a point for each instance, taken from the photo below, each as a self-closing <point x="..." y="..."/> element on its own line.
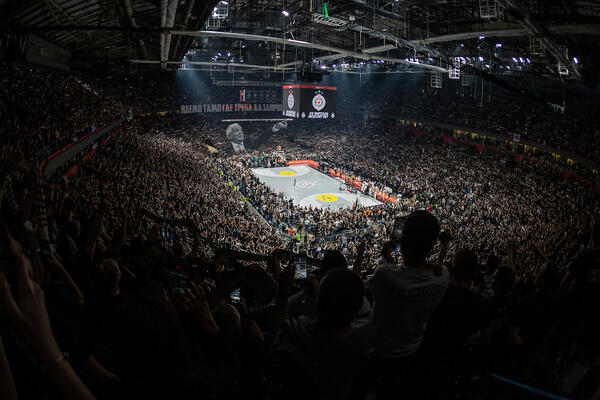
<point x="311" y="288"/>
<point x="285" y="279"/>
<point x="28" y="312"/>
<point x="360" y="253"/>
<point x="197" y="305"/>
<point x="29" y="315"/>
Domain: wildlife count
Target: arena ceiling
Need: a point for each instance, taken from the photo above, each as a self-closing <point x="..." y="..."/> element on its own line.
<point x="554" y="38"/>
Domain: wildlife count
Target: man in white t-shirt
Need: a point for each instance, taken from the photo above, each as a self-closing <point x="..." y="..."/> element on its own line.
<point x="405" y="296"/>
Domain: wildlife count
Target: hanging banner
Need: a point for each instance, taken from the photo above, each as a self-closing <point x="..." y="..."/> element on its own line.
<point x="225" y="108"/>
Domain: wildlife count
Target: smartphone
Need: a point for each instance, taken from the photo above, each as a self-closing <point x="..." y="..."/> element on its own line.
<point x="235" y="296"/>
<point x="398" y="227"/>
<point x="179" y="278"/>
<point x="300" y="264"/>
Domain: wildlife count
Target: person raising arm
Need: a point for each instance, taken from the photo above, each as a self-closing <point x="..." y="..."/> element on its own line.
<point x="29" y="315"/>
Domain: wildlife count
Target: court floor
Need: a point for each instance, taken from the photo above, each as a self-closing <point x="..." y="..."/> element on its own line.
<point x="309" y="187"/>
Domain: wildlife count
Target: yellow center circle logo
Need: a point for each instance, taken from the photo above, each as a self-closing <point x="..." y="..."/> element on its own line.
<point x="287" y="173"/>
<point x="327" y="198"/>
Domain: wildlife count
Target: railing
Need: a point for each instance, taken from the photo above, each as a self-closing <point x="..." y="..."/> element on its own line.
<point x="68" y="146"/>
<point x="525" y="389"/>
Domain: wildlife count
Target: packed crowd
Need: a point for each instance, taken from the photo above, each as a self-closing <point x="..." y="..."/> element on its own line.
<point x="33" y="119"/>
<point x="100" y="300"/>
<point x="163" y="270"/>
<point x="501" y="113"/>
<point x="490" y="201"/>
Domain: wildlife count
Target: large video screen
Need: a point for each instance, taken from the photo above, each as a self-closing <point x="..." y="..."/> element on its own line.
<point x="309" y="101"/>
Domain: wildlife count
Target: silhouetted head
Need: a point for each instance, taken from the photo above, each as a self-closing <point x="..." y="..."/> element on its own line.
<point x="340" y="298"/>
<point x="331" y="260"/>
<point x="419" y="234"/>
<point x="504" y="279"/>
<point x="464" y="266"/>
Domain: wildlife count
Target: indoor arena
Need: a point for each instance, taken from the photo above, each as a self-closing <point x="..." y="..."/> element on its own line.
<point x="300" y="199"/>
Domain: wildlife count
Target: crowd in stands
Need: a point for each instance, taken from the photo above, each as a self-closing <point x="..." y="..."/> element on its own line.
<point x="34" y="104"/>
<point x="162" y="270"/>
<point x="488" y="198"/>
<point x="500" y="112"/>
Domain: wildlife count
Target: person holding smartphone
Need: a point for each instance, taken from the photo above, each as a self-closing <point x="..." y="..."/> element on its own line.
<point x="405" y="297"/>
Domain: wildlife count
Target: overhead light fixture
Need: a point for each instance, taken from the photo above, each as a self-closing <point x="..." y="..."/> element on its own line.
<point x="481" y="37"/>
<point x="514" y="59"/>
<point x="498" y="44"/>
<point x="323" y="66"/>
<point x="576" y="60"/>
<point x="286" y="13"/>
<point x="521" y="59"/>
<point x="528" y="60"/>
<point x="480" y="58"/>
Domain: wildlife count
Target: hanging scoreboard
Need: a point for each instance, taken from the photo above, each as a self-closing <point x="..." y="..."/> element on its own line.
<point x="309" y="101"/>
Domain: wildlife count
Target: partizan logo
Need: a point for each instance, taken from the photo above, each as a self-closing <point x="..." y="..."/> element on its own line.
<point x="290" y="100"/>
<point x="318" y="102"/>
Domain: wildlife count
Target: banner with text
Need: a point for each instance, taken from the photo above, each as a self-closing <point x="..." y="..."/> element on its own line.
<point x="225" y="108"/>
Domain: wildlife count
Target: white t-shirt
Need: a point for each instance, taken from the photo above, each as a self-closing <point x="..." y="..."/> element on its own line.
<point x="404" y="299"/>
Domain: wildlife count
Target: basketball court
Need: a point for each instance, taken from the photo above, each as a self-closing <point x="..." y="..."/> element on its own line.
<point x="312" y="187"/>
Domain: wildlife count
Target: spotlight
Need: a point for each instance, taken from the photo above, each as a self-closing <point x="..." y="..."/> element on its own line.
<point x="286" y="13"/>
<point x="323" y="66"/>
<point x="576" y="60"/>
<point x="498" y="44"/>
<point x="481" y="37"/>
<point x="514" y="59"/>
<point x="480" y="58"/>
